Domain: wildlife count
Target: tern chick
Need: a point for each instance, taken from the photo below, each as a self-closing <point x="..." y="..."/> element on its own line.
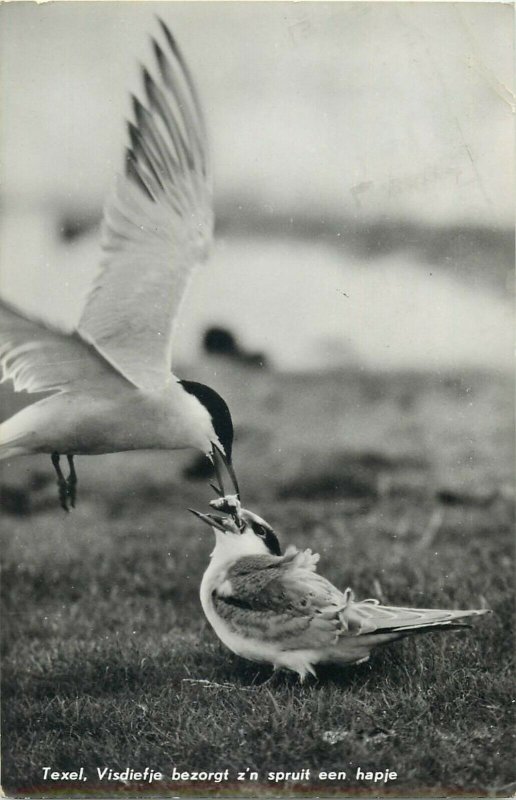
<point x="274" y="608"/>
<point x="110" y="381"/>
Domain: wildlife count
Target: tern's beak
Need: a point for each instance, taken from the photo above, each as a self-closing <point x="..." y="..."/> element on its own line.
<point x="222" y="464"/>
<point x="212" y="520"/>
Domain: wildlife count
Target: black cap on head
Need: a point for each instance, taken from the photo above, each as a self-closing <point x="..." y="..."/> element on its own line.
<point x="269" y="537"/>
<point x="218" y="411"/>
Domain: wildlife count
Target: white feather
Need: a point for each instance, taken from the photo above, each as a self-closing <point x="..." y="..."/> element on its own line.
<point x="157" y="227"/>
<point x="38" y="358"/>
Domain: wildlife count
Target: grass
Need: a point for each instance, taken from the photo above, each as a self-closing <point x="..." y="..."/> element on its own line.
<point x="401" y="483"/>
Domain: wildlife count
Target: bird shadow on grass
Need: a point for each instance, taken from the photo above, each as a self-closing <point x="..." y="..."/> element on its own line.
<point x="246" y="675"/>
<point x="136" y="670"/>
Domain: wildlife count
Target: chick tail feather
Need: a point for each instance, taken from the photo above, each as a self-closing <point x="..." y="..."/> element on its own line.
<point x="369" y="617"/>
<point x="366" y="625"/>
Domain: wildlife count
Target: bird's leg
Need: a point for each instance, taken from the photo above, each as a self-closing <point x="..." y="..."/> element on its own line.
<point x="71" y="482"/>
<point x="63" y="489"/>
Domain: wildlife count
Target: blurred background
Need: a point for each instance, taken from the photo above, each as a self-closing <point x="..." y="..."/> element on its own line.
<point x="360" y="288"/>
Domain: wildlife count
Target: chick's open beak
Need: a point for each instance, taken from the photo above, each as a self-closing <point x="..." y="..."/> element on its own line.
<point x="224" y="524"/>
<point x="212" y="520"/>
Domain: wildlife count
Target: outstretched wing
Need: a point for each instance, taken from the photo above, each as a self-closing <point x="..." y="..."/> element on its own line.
<point x="157" y="226"/>
<point x="42" y="359"/>
<point x="281" y="600"/>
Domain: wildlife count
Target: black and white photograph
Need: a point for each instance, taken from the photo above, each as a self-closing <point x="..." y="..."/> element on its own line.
<point x="256" y="405"/>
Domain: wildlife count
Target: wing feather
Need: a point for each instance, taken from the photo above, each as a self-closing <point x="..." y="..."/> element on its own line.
<point x="368" y="616"/>
<point x="283" y="600"/>
<point x="38" y="358"/>
<point x="157" y="225"/>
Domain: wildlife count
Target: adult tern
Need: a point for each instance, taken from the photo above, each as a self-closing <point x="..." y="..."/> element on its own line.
<point x="112" y="388"/>
<point x="274" y="608"/>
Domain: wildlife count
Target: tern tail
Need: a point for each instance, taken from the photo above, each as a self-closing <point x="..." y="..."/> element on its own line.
<point x="12" y="441"/>
<point x="368" y="616"/>
<point x="18" y="434"/>
<point x="367" y="624"/>
<point x="11" y="451"/>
